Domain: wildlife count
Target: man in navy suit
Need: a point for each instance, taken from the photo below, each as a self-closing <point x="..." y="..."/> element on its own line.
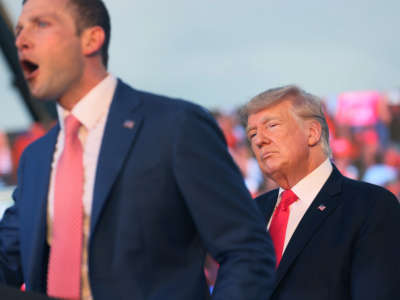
<point x="334" y="238"/>
<point x="159" y="188"/>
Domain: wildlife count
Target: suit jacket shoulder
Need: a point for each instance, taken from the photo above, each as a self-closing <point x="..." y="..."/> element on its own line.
<point x="366" y="192"/>
<point x="157" y="104"/>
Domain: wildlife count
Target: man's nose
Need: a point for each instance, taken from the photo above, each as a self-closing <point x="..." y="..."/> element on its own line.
<point x="260" y="139"/>
<point x="22" y="41"/>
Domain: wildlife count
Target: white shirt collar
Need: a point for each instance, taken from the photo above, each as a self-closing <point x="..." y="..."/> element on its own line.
<point x="308" y="187"/>
<point x="93" y="105"/>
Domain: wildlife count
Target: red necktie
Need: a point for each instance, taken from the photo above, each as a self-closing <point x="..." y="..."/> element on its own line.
<point x="277" y="228"/>
<point x="64" y="273"/>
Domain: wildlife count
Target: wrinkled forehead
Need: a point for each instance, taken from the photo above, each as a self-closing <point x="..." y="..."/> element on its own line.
<point x="277" y="110"/>
<point x="273" y="107"/>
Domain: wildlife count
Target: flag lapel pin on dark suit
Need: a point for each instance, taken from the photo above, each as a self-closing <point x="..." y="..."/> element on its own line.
<point x="321" y="207"/>
<point x="129" y="124"/>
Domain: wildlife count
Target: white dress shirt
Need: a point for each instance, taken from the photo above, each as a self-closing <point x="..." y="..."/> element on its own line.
<point x="306" y="190"/>
<point x="91" y="111"/>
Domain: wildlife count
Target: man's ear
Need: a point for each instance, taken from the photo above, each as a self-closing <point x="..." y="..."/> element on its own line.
<point x="314" y="132"/>
<point x="92" y="40"/>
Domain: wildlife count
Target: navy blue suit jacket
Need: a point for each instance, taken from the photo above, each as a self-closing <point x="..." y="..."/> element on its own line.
<point x="166" y="191"/>
<point x="346" y="246"/>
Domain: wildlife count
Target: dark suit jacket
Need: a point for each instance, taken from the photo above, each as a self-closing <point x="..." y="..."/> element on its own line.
<point x="349" y="250"/>
<point x="166" y="191"/>
<point x="9" y="293"/>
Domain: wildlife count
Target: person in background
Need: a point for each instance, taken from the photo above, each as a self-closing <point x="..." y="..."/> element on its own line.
<point x="5" y="159"/>
<point x="23" y="140"/>
<point x="334" y="237"/>
<point x="125" y="195"/>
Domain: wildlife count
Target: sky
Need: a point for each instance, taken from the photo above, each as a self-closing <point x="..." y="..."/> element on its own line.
<point x="222" y="53"/>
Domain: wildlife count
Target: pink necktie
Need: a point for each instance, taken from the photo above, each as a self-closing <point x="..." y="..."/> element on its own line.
<point x="64" y="273"/>
<point x="277" y="228"/>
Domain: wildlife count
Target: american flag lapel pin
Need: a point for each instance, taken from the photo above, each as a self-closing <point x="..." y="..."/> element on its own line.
<point x="129" y="124"/>
<point x="321" y="207"/>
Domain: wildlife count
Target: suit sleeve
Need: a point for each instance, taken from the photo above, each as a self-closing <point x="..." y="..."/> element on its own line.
<point x="376" y="258"/>
<point x="10" y="260"/>
<point x="230" y="225"/>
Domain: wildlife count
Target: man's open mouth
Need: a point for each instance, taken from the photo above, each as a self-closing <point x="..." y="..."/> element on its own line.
<point x="29" y="68"/>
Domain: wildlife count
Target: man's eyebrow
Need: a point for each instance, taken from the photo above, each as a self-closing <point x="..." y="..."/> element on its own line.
<point x="36" y="18"/>
<point x="18" y="28"/>
<point x="263" y="120"/>
<point x="250" y="128"/>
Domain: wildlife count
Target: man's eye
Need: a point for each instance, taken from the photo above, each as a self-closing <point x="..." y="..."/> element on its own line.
<point x="42" y="24"/>
<point x="250" y="136"/>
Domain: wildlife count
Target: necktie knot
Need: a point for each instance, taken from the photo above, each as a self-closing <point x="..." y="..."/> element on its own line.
<point x="287" y="198"/>
<point x="72" y="125"/>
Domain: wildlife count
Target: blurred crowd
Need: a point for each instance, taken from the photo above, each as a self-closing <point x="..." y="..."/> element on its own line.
<point x="11" y="147"/>
<point x="364" y="137"/>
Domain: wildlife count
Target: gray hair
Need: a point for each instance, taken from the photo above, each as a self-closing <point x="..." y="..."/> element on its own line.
<point x="306" y="106"/>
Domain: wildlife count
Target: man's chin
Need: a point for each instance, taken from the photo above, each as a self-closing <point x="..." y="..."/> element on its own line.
<point x="40" y="95"/>
<point x="271" y="164"/>
<point x="271" y="169"/>
<point x="42" y="98"/>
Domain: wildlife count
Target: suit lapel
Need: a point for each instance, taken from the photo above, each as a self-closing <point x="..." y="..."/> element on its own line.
<point x="320" y="209"/>
<point x="123" y="123"/>
<point x="267" y="204"/>
<point x="36" y="230"/>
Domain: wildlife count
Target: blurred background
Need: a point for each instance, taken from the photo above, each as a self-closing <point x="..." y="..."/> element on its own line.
<point x="222" y="53"/>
